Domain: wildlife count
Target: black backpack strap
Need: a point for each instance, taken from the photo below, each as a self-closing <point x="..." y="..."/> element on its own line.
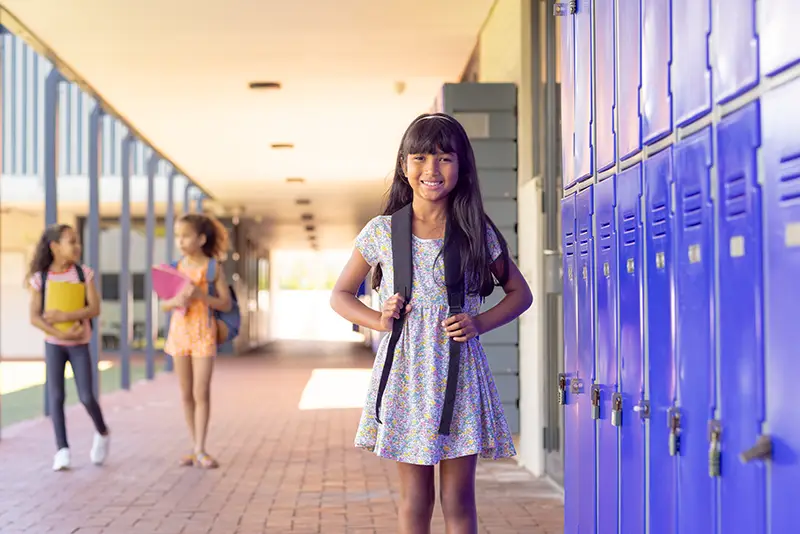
<point x="44" y="285"/>
<point x="402" y="262"/>
<point x="454" y="280"/>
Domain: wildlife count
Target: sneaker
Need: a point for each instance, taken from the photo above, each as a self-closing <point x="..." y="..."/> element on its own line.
<point x="99" y="449"/>
<point x="61" y="460"/>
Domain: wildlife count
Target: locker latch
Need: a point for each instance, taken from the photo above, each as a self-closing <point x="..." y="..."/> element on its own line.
<point x="595" y="401"/>
<point x="762" y="450"/>
<point x="643" y="409"/>
<point x="561" y="9"/>
<point x="674" y="422"/>
<point x="562" y="389"/>
<point x="616" y="409"/>
<point x="576" y="386"/>
<point x="714" y="449"/>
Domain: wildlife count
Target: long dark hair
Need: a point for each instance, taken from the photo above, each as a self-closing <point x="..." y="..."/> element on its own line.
<point x="216" y="244"/>
<point x="43" y="256"/>
<point x="428" y="134"/>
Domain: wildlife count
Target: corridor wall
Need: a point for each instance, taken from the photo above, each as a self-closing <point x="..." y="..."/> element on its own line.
<point x="681" y="256"/>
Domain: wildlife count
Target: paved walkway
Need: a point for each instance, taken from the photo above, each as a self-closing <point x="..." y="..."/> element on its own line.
<point x="284" y="470"/>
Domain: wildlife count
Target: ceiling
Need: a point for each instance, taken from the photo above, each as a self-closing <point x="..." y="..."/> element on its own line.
<point x="179" y="70"/>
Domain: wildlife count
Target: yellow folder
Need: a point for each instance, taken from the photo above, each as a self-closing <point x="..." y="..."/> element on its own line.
<point x="66" y="297"/>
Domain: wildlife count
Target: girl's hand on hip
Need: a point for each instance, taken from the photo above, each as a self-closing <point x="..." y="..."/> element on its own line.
<point x="391" y="311"/>
<point x="461" y="327"/>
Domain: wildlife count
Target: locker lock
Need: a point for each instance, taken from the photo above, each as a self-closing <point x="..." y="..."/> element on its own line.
<point x="674" y="422"/>
<point x="616" y="409"/>
<point x="595" y="401"/>
<point x="561" y="9"/>
<point x="562" y="389"/>
<point x="762" y="450"/>
<point x="714" y="449"/>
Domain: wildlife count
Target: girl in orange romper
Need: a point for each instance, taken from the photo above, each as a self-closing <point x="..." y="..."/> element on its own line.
<point x="192" y="338"/>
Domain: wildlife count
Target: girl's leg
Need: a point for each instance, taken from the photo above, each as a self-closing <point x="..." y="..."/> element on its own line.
<point x="203" y="369"/>
<point x="81" y="362"/>
<point x="183" y="368"/>
<point x="457" y="489"/>
<point x="56" y="361"/>
<point x="417" y="498"/>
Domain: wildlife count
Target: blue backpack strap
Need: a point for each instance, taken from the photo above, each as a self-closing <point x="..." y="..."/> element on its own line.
<point x="211" y="275"/>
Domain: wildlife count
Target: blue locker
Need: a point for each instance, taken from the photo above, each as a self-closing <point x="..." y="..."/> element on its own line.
<point x="659" y="285"/>
<point x="628" y="38"/>
<point x="569" y="380"/>
<point x="780" y="48"/>
<point x="631" y="351"/>
<point x="736" y="69"/>
<point x="568" y="100"/>
<point x="781" y="153"/>
<point x="691" y="64"/>
<point x="605" y="76"/>
<point x="584" y="96"/>
<point x="605" y="391"/>
<point x="584" y="208"/>
<point x="656" y="104"/>
<point x="741" y="340"/>
<point x="695" y="348"/>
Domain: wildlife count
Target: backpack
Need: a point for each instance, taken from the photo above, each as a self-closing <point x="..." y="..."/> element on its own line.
<point x="402" y="261"/>
<point x="232" y="319"/>
<point x="81" y="279"/>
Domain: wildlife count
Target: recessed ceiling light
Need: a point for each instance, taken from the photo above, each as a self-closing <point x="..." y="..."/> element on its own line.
<point x="281" y="146"/>
<point x="306" y="216"/>
<point x="265" y="85"/>
<point x="303" y="201"/>
<point x="295" y="180"/>
<point x="309" y="228"/>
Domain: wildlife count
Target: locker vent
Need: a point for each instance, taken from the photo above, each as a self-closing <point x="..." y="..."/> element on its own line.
<point x="658" y="212"/>
<point x="692" y="208"/>
<point x="790" y="178"/>
<point x="735" y="195"/>
<point x="605" y="235"/>
<point x="629" y="228"/>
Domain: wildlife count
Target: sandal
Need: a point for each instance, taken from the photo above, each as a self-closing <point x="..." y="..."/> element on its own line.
<point x="205" y="461"/>
<point x="187" y="461"/>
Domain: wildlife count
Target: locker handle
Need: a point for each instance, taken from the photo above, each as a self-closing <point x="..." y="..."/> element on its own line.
<point x="762" y="450"/>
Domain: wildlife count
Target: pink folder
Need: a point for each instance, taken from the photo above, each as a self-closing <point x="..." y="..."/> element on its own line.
<point x="169" y="282"/>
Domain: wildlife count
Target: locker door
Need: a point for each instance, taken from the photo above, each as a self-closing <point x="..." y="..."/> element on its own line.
<point x="695" y="348"/>
<point x="584" y="207"/>
<point x="659" y="286"/>
<point x="741" y="340"/>
<point x="605" y="77"/>
<point x="656" y="104"/>
<point x="584" y="97"/>
<point x="629" y="44"/>
<point x="631" y="351"/>
<point x="568" y="380"/>
<point x="568" y="99"/>
<point x="605" y="393"/>
<point x="691" y="74"/>
<point x="781" y="152"/>
<point x="780" y="48"/>
<point x="736" y="67"/>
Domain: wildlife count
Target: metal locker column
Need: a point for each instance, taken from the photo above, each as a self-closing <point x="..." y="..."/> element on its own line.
<point x="568" y="383"/>
<point x="700" y="445"/>
<point x="691" y="72"/>
<point x="740" y="312"/>
<point x="604" y="394"/>
<point x="736" y="58"/>
<point x="781" y="154"/>
<point x="605" y="81"/>
<point x="629" y="62"/>
<point x="631" y="351"/>
<point x="488" y="113"/>
<point x="584" y="96"/>
<point x="780" y="48"/>
<point x="568" y="99"/>
<point x="665" y="419"/>
<point x="584" y="208"/>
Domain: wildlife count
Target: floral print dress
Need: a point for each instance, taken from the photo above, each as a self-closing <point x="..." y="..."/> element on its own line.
<point x="411" y="407"/>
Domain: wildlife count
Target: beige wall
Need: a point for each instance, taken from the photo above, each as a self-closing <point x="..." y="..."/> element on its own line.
<point x="505" y="56"/>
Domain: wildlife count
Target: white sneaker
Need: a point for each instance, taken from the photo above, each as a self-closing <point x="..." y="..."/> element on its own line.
<point x="61" y="460"/>
<point x="99" y="448"/>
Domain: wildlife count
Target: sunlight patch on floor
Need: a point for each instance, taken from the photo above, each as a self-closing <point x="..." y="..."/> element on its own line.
<point x="15" y="376"/>
<point x="330" y="389"/>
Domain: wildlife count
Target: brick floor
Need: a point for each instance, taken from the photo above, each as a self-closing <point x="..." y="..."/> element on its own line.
<point x="282" y="469"/>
